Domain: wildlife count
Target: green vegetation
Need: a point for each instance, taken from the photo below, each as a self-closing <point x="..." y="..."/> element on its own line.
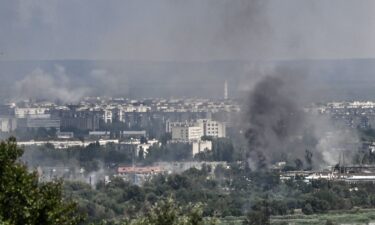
<point x="222" y="150"/>
<point x="23" y="200"/>
<point x="233" y="194"/>
<point x="257" y="197"/>
<point x="354" y="216"/>
<point x="168" y="152"/>
<point x="88" y="158"/>
<point x="167" y="212"/>
<point x="91" y="157"/>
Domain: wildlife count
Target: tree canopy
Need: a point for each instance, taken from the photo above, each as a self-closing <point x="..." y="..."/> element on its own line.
<point x="26" y="201"/>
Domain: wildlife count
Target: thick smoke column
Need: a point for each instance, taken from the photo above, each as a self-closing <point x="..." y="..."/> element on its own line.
<point x="278" y="128"/>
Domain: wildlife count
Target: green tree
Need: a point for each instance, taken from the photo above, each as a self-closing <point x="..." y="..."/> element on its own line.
<point x="259" y="215"/>
<point x="24" y="200"/>
<point x="168" y="212"/>
<point x="330" y="222"/>
<point x="223" y="150"/>
<point x="307" y="209"/>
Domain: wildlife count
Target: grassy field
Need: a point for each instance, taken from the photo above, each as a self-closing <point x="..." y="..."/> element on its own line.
<point x="353" y="217"/>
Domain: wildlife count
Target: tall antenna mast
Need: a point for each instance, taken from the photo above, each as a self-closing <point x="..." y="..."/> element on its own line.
<point x="225" y="89"/>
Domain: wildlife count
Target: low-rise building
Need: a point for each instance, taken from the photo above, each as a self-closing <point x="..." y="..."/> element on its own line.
<point x="138" y="175"/>
<point x="200" y="146"/>
<point x="65" y="135"/>
<point x="133" y="133"/>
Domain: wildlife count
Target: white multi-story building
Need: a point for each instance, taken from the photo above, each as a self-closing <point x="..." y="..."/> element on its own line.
<point x="111" y="115"/>
<point x="139" y="108"/>
<point x="169" y="125"/>
<point x="207" y="127"/>
<point x="120" y="115"/>
<point x="24" y="112"/>
<point x="108" y="116"/>
<point x="7" y="124"/>
<point x="212" y="128"/>
<point x="187" y="133"/>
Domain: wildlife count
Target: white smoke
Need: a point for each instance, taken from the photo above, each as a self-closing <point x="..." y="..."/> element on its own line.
<point x="108" y="83"/>
<point x="52" y="86"/>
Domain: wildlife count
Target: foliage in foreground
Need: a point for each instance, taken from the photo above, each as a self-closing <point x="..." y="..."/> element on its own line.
<point x="25" y="201"/>
<point x="167" y="212"/>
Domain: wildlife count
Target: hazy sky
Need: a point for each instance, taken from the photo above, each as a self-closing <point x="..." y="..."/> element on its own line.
<point x="186" y="30"/>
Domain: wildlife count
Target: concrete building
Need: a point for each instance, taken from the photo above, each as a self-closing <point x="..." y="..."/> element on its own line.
<point x="212" y="128"/>
<point x="169" y="125"/>
<point x="82" y="120"/>
<point x="64" y="144"/>
<point x="133" y="133"/>
<point x="108" y="116"/>
<point x="39" y="121"/>
<point x="7" y="110"/>
<point x="7" y="124"/>
<point x="138" y="175"/>
<point x="25" y="112"/>
<point x="99" y="134"/>
<point x="200" y="146"/>
<point x="137" y="145"/>
<point x="179" y="167"/>
<point x="65" y="135"/>
<point x="118" y="115"/>
<point x="187" y="133"/>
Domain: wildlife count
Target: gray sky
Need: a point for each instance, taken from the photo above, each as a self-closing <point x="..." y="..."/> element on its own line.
<point x="186" y="30"/>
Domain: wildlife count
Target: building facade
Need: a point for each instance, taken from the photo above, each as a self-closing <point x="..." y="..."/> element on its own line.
<point x="212" y="128"/>
<point x="7" y="124"/>
<point x="187" y="133"/>
<point x="200" y="146"/>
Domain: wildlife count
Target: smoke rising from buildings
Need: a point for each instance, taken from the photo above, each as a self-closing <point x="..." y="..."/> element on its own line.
<point x="58" y="85"/>
<point x="180" y="31"/>
<point x="52" y="86"/>
<point x="247" y="30"/>
<point x="275" y="119"/>
<point x="280" y="129"/>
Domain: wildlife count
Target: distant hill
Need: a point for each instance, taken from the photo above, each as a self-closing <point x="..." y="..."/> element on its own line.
<point x="348" y="79"/>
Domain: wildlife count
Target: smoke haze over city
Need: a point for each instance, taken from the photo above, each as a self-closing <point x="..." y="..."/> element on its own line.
<point x="177" y="44"/>
<point x="210" y="112"/>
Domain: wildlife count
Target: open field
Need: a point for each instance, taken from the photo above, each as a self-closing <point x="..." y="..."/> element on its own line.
<point x="352" y="217"/>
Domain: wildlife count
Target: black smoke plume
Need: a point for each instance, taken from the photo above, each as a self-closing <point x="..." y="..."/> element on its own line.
<point x="278" y="129"/>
